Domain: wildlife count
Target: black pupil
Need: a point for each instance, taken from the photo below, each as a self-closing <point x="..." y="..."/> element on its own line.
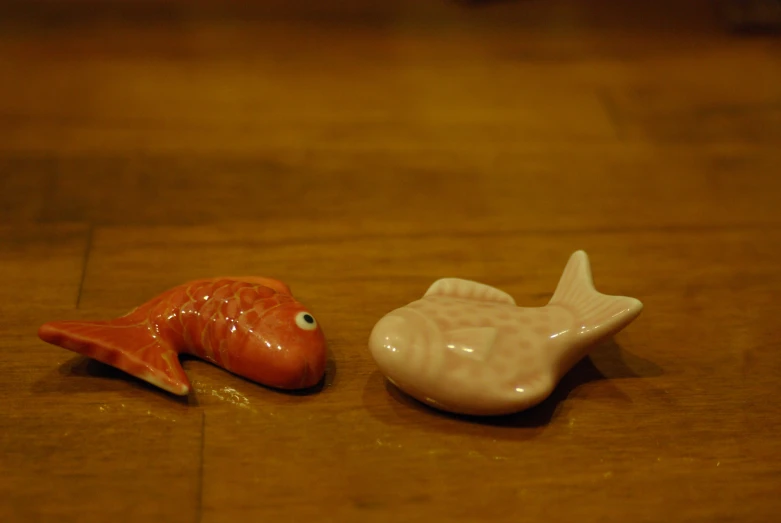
<point x="308" y="318"/>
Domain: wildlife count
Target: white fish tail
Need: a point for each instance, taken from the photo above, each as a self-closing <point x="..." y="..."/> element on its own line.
<point x="598" y="315"/>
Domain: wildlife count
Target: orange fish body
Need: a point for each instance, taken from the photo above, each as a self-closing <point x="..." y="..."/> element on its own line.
<point x="252" y="327"/>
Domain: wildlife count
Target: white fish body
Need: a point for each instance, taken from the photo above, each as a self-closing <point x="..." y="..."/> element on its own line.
<point x="467" y="348"/>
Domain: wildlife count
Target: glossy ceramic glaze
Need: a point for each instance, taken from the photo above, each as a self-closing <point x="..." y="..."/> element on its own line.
<point x="467" y="348"/>
<point x="252" y="327"/>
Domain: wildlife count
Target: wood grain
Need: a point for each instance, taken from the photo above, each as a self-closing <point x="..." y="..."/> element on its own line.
<point x="359" y="150"/>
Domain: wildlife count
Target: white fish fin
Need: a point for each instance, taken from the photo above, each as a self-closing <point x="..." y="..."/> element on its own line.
<point x="598" y="315"/>
<point x="473" y="342"/>
<point x="470" y="290"/>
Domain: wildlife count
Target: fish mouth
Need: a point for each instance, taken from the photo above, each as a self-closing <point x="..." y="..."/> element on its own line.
<point x="400" y="341"/>
<point x="306" y="373"/>
<point x="313" y="368"/>
<point x="311" y="375"/>
<point x="393" y="333"/>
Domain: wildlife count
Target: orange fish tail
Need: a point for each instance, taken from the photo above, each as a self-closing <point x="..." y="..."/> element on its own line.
<point x="598" y="315"/>
<point x="126" y="345"/>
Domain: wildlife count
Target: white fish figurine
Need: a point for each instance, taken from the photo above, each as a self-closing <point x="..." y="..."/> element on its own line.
<point x="466" y="348"/>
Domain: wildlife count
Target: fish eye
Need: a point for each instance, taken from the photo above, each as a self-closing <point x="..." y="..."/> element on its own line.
<point x="306" y="321"/>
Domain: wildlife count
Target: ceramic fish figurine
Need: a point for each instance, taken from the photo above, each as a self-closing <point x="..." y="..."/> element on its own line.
<point x="252" y="327"/>
<point x="467" y="348"/>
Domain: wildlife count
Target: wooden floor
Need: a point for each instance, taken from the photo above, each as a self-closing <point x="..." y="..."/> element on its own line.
<point x="358" y="151"/>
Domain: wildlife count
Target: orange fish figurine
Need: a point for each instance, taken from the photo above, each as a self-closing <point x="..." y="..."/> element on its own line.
<point x="252" y="327"/>
<point x="467" y="348"/>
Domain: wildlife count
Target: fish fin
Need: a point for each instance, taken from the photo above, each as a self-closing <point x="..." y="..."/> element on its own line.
<point x="470" y="290"/>
<point x="473" y="342"/>
<point x="599" y="315"/>
<point x="126" y="345"/>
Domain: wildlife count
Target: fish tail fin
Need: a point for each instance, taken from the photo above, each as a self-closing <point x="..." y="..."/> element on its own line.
<point x="122" y="343"/>
<point x="599" y="315"/>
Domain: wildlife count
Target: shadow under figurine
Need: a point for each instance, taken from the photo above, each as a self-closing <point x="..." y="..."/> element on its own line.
<point x="252" y="327"/>
<point x="466" y="348"/>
